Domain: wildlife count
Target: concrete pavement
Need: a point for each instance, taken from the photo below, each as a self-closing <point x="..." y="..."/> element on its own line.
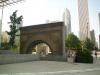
<point x="51" y="68"/>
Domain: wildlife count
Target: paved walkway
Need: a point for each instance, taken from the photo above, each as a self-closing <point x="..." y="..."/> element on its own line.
<point x="50" y="68"/>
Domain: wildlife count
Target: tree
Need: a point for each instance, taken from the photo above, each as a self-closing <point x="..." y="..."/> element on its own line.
<point x="85" y="55"/>
<point x="14" y="21"/>
<point x="88" y="44"/>
<point x="72" y="42"/>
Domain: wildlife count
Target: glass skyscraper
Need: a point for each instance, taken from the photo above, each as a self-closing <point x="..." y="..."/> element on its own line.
<point x="67" y="21"/>
<point x="99" y="30"/>
<point x="84" y="28"/>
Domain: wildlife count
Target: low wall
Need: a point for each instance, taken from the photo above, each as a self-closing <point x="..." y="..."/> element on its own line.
<point x="54" y="58"/>
<point x="15" y="58"/>
<point x="7" y="52"/>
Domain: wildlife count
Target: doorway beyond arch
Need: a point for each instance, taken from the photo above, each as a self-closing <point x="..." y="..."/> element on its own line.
<point x="39" y="47"/>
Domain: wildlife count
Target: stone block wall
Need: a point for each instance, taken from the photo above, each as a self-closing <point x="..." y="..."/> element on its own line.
<point x="17" y="58"/>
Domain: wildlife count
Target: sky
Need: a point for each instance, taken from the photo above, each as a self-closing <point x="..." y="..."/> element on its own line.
<point x="39" y="11"/>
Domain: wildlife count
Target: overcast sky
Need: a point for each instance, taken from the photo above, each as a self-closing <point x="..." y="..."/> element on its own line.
<point x="39" y="11"/>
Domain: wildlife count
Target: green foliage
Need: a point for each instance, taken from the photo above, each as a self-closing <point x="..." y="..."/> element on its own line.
<point x="98" y="49"/>
<point x="14" y="49"/>
<point x="83" y="48"/>
<point x="72" y="42"/>
<point x="5" y="46"/>
<point x="84" y="56"/>
<point x="88" y="44"/>
<point x="14" y="21"/>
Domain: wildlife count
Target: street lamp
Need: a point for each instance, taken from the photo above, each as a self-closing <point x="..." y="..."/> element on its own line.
<point x="4" y="3"/>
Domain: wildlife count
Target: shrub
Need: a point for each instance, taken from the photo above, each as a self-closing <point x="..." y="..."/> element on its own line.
<point x="4" y="46"/>
<point x="72" y="42"/>
<point x="84" y="56"/>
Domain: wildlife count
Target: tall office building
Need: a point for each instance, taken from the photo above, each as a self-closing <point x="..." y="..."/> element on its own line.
<point x="67" y="21"/>
<point x="99" y="22"/>
<point x="99" y="41"/>
<point x="92" y="35"/>
<point x="84" y="28"/>
<point x="0" y="32"/>
<point x="99" y="30"/>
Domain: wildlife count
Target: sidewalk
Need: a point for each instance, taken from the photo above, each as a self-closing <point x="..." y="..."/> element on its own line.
<point x="50" y="68"/>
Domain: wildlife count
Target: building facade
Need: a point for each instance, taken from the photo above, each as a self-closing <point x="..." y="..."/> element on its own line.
<point x="99" y="41"/>
<point x="92" y="34"/>
<point x="67" y="21"/>
<point x="84" y="28"/>
<point x="99" y="30"/>
<point x="99" y="22"/>
<point x="0" y="32"/>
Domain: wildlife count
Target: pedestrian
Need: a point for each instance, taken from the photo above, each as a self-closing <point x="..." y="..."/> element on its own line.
<point x="96" y="54"/>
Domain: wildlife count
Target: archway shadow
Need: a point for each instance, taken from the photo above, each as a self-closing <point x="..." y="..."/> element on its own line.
<point x="35" y="43"/>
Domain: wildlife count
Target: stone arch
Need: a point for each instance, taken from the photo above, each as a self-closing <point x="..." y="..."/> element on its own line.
<point x="34" y="43"/>
<point x="52" y="34"/>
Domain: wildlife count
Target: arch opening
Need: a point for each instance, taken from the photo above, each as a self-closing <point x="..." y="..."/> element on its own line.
<point x="39" y="47"/>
